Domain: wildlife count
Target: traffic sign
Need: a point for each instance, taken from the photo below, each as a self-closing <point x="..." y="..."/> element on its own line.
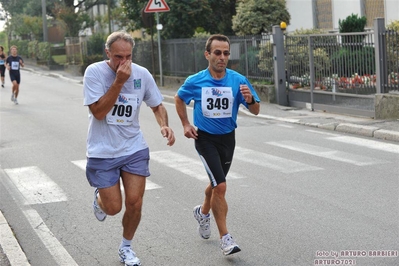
<point x="156" y="6"/>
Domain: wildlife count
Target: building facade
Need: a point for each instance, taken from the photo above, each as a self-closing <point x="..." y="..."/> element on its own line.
<point x="325" y="14"/>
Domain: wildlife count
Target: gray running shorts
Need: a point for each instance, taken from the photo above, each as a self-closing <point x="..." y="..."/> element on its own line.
<point x="103" y="173"/>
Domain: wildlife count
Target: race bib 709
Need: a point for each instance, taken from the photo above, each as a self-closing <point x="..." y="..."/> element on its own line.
<point x="123" y="111"/>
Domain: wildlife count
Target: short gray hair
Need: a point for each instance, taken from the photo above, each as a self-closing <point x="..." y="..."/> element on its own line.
<point x="119" y="35"/>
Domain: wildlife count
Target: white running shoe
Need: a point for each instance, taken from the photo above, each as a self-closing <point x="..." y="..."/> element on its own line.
<point x="15" y="101"/>
<point x="12" y="97"/>
<point x="228" y="245"/>
<point x="127" y="256"/>
<point x="100" y="214"/>
<point x="204" y="222"/>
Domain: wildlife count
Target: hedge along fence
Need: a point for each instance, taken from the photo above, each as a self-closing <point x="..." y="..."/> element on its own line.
<point x="40" y="51"/>
<point x="22" y="46"/>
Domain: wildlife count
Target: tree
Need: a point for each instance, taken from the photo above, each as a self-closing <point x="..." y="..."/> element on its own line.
<point x="71" y="14"/>
<point x="352" y="23"/>
<point x="72" y="21"/>
<point x="185" y="16"/>
<point x="220" y="21"/>
<point x="34" y="7"/>
<point x="258" y="16"/>
<point x="14" y="7"/>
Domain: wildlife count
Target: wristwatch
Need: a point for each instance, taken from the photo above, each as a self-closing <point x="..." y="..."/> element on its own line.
<point x="253" y="101"/>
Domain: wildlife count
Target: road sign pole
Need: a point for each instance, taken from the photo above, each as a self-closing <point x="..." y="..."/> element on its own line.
<point x="159" y="52"/>
<point x="155" y="6"/>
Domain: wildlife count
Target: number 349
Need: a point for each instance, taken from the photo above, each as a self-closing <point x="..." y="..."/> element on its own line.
<point x="218" y="103"/>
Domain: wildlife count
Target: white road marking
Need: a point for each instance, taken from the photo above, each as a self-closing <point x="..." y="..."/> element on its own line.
<point x="372" y="144"/>
<point x="59" y="253"/>
<point x="276" y="163"/>
<point x="323" y="133"/>
<point x="10" y="245"/>
<point x="330" y="154"/>
<point x="81" y="164"/>
<point x="148" y="186"/>
<point x="19" y="194"/>
<point x="285" y="125"/>
<point x="35" y="186"/>
<point x="151" y="185"/>
<point x="186" y="165"/>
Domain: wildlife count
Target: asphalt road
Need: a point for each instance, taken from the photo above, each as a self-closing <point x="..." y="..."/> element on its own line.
<point x="297" y="195"/>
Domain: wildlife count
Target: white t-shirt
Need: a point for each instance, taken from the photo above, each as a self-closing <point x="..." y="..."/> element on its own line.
<point x="119" y="133"/>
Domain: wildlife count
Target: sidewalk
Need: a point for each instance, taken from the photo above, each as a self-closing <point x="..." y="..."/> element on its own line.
<point x="12" y="255"/>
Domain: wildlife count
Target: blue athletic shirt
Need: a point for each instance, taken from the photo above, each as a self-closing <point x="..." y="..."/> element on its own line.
<point x="193" y="89"/>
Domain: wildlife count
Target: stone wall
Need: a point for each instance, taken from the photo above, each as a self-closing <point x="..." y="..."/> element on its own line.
<point x="387" y="106"/>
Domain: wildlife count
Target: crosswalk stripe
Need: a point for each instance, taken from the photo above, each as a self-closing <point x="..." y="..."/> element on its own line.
<point x="186" y="165"/>
<point x="81" y="164"/>
<point x="56" y="249"/>
<point x="35" y="186"/>
<point x="276" y="163"/>
<point x="330" y="154"/>
<point x="323" y="132"/>
<point x="148" y="185"/>
<point x="372" y="144"/>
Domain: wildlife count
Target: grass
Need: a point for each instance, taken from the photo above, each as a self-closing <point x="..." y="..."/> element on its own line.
<point x="60" y="59"/>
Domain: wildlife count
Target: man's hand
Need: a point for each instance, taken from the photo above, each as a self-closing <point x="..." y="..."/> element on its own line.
<point x="167" y="132"/>
<point x="190" y="132"/>
<point x="123" y="72"/>
<point x="246" y="93"/>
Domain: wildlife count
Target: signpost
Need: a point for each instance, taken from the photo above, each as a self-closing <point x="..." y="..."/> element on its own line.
<point x="155" y="6"/>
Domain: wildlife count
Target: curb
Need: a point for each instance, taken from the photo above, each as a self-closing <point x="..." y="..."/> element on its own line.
<point x="10" y="246"/>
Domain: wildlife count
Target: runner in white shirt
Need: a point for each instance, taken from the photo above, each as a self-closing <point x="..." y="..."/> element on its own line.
<point x="116" y="150"/>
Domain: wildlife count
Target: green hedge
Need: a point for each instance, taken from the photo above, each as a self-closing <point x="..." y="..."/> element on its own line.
<point x="44" y="51"/>
<point x="22" y="47"/>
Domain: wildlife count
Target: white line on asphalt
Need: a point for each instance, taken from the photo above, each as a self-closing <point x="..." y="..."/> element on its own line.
<point x="35" y="185"/>
<point x="148" y="185"/>
<point x="372" y="144"/>
<point x="285" y="125"/>
<point x="323" y="133"/>
<point x="326" y="153"/>
<point x="59" y="253"/>
<point x="280" y="164"/>
<point x="10" y="245"/>
<point x="185" y="165"/>
<point x="282" y="119"/>
<point x="81" y="164"/>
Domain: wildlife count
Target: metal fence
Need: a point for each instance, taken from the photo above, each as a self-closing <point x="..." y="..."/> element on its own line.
<point x="390" y="39"/>
<point x="342" y="72"/>
<point x="341" y="62"/>
<point x="335" y="72"/>
<point x="250" y="56"/>
<point x="345" y="61"/>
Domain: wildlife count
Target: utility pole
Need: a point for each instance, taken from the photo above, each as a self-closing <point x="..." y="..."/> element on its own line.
<point x="109" y="15"/>
<point x="44" y="15"/>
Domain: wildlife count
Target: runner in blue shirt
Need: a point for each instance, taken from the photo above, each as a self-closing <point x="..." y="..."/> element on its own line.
<point x="217" y="93"/>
